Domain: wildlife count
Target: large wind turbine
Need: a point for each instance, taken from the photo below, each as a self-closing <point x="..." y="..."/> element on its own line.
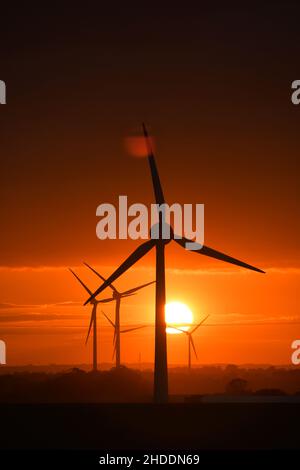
<point x="117" y="296"/>
<point x="158" y="241"/>
<point x="121" y="331"/>
<point x="191" y="341"/>
<point x="93" y="321"/>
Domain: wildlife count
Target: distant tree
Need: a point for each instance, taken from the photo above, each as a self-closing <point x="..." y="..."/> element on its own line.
<point x="270" y="392"/>
<point x="231" y="369"/>
<point x="237" y="386"/>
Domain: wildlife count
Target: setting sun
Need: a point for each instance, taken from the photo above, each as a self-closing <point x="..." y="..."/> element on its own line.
<point x="179" y="315"/>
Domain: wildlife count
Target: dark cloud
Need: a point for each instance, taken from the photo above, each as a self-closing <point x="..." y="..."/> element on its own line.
<point x="25" y="317"/>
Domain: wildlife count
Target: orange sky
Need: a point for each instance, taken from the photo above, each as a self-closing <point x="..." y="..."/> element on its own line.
<point x="250" y="213"/>
<point x="254" y="222"/>
<point x="226" y="134"/>
<point x="57" y="332"/>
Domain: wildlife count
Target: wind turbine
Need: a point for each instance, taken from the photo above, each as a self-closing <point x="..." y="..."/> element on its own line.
<point x="190" y="340"/>
<point x="93" y="321"/>
<point x="158" y="241"/>
<point x="121" y="331"/>
<point x="117" y="296"/>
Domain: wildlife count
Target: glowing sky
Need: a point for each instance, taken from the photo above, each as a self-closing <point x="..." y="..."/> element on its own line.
<point x="78" y="85"/>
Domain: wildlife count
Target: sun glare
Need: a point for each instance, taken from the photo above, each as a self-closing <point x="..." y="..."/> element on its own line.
<point x="179" y="315"/>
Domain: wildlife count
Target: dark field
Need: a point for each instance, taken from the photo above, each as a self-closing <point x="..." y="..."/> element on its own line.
<point x="126" y="385"/>
<point x="78" y="410"/>
<point x="147" y="426"/>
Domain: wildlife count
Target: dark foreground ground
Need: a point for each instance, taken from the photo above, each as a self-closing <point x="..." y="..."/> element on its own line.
<point x="150" y="427"/>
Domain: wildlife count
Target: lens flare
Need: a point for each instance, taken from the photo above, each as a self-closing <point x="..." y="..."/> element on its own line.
<point x="136" y="146"/>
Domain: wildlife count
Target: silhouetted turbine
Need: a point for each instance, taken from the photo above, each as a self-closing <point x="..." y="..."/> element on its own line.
<point x="93" y="320"/>
<point x="158" y="241"/>
<point x="117" y="296"/>
<point x="190" y="340"/>
<point x="121" y="331"/>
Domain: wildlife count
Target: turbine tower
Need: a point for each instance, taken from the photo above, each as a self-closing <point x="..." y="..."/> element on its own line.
<point x="117" y="296"/>
<point x="120" y="331"/>
<point x="191" y="341"/>
<point x="93" y="320"/>
<point x="158" y="241"/>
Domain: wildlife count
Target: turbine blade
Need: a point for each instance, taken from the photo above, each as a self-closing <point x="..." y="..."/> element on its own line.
<point x="91" y="322"/>
<point x="99" y="275"/>
<point x="107" y="318"/>
<point x="132" y="329"/>
<point x="199" y="324"/>
<point x="158" y="192"/>
<point x="205" y="250"/>
<point x="141" y="251"/>
<point x="104" y="301"/>
<point x="178" y="329"/>
<point x="81" y="282"/>
<point x="131" y="291"/>
<point x="193" y="345"/>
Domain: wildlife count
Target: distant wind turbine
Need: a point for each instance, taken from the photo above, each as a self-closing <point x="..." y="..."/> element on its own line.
<point x="158" y="242"/>
<point x="121" y="331"/>
<point x="117" y="296"/>
<point x="190" y="340"/>
<point x="93" y="321"/>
